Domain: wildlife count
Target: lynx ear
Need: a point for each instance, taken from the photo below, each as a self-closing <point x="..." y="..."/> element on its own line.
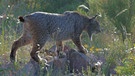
<point x="97" y="15"/>
<point x="94" y="17"/>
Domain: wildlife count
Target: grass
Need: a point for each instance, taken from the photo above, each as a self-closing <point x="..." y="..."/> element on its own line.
<point x="117" y="22"/>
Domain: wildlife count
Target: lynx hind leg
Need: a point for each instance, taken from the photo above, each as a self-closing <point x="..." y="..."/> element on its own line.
<point x="38" y="43"/>
<point x="60" y="47"/>
<point x="34" y="52"/>
<point x="22" y="41"/>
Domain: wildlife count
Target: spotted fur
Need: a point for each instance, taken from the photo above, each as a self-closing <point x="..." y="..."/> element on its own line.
<point x="40" y="26"/>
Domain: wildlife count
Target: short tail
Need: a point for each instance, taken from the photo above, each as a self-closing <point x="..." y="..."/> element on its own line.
<point x="21" y="19"/>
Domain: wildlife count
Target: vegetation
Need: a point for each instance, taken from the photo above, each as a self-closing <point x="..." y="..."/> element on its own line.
<point x="116" y="42"/>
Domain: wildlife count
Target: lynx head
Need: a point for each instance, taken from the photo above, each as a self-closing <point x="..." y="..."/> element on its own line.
<point x="93" y="27"/>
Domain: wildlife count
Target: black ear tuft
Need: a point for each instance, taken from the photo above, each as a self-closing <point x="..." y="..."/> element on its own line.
<point x="21" y="19"/>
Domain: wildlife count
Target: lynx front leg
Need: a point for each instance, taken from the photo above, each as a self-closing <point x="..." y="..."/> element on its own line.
<point x="24" y="40"/>
<point x="77" y="42"/>
<point x="59" y="47"/>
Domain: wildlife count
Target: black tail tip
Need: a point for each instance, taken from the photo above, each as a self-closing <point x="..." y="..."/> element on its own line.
<point x="21" y="19"/>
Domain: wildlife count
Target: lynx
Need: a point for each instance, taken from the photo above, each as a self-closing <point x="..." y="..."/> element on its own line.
<point x="40" y="26"/>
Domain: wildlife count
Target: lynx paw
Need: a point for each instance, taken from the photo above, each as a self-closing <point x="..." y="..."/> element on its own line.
<point x="12" y="59"/>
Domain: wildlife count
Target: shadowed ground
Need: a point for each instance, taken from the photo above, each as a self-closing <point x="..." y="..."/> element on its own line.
<point x="72" y="64"/>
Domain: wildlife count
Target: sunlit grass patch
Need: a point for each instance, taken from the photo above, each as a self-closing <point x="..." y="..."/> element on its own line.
<point x="109" y="43"/>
